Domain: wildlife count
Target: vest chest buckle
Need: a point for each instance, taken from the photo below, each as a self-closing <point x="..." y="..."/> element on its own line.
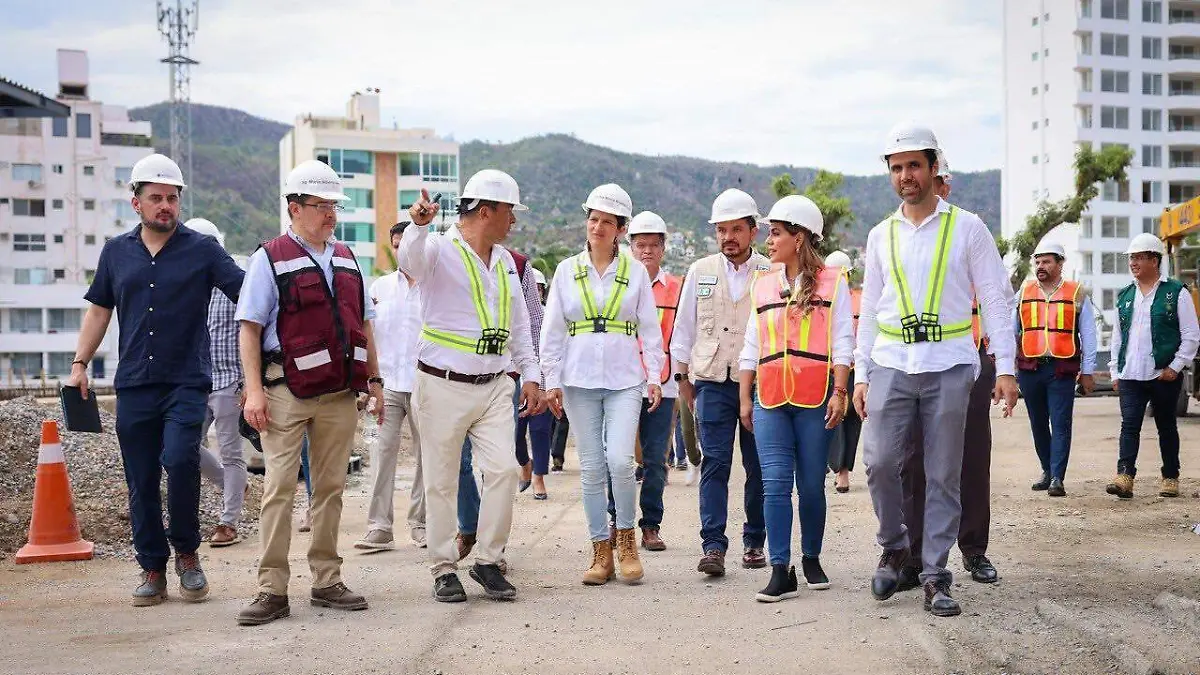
<point x="492" y="342"/>
<point x="600" y="325"/>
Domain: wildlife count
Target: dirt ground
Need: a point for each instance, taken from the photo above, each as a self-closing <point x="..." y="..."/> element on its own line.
<point x="1089" y="585"/>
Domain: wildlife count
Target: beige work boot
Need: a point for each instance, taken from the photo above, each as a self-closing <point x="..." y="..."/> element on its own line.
<point x="602" y="564"/>
<point x="1170" y="488"/>
<point x="1122" y="486"/>
<point x="627" y="556"/>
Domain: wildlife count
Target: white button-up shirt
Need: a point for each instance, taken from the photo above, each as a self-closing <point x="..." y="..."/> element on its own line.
<point x="973" y="267"/>
<point x="1139" y="361"/>
<point x="843" y="331"/>
<point x="435" y="264"/>
<point x="397" y="328"/>
<point x="1085" y="325"/>
<point x="600" y="360"/>
<point x="737" y="277"/>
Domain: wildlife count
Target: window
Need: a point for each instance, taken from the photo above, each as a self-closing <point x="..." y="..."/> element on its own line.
<point x="448" y="202"/>
<point x="63" y="320"/>
<point x="89" y="240"/>
<point x="410" y="163"/>
<point x="1150" y="225"/>
<point x="1035" y="125"/>
<point x="89" y="205"/>
<point x="25" y="364"/>
<point x="1085" y="117"/>
<point x="35" y="276"/>
<point x="1085" y="44"/>
<point x="1114" y="9"/>
<point x="1181" y="193"/>
<point x="1182" y="123"/>
<point x="1116" y="81"/>
<point x="1113" y="263"/>
<point x="123" y="174"/>
<point x="56" y="168"/>
<point x="1183" y="52"/>
<point x="89" y="275"/>
<point x="348" y="161"/>
<point x="1035" y="20"/>
<point x="1183" y="88"/>
<point x="1151" y="191"/>
<point x="1116" y="192"/>
<point x="1085" y="227"/>
<point x="30" y="172"/>
<point x="1182" y="16"/>
<point x="58" y="239"/>
<point x="1151" y="155"/>
<point x="89" y="170"/>
<point x="83" y="125"/>
<point x="1046" y="123"/>
<point x="1035" y="159"/>
<point x="34" y="208"/>
<point x="439" y="168"/>
<point x="123" y="209"/>
<point x="1085" y="80"/>
<point x="1085" y="9"/>
<point x="408" y="198"/>
<point x="59" y="275"/>
<point x="1034" y="91"/>
<point x="1152" y="11"/>
<point x="29" y="242"/>
<point x="1112" y="44"/>
<point x="56" y="204"/>
<point x="1112" y="117"/>
<point x="360" y="198"/>
<point x="366" y="263"/>
<point x="1151" y="48"/>
<point x="60" y="364"/>
<point x="1151" y="119"/>
<point x="1114" y="227"/>
<point x="1152" y="84"/>
<point x="1183" y="158"/>
<point x="1108" y="299"/>
<point x="355" y="232"/>
<point x="1086" y="263"/>
<point x="1046" y="87"/>
<point x="25" y="320"/>
<point x="1034" y="56"/>
<point x="59" y="126"/>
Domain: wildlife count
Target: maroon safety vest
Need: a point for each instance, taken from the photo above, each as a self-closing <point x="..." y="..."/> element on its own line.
<point x="322" y="343"/>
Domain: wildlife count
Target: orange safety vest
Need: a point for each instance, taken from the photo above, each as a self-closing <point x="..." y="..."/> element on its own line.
<point x="794" y="350"/>
<point x="666" y="296"/>
<point x="1048" y="326"/>
<point x="976" y="323"/>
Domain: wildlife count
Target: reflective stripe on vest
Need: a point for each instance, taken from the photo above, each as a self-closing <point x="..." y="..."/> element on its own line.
<point x="794" y="348"/>
<point x="593" y="320"/>
<point x="493" y="336"/>
<point x="924" y="327"/>
<point x="1048" y="324"/>
<point x="976" y="323"/>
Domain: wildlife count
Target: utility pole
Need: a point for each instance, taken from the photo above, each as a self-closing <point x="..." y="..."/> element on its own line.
<point x="178" y="25"/>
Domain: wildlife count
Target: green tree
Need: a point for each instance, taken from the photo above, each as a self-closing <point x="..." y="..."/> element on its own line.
<point x="547" y="261"/>
<point x="825" y="191"/>
<point x="1091" y="169"/>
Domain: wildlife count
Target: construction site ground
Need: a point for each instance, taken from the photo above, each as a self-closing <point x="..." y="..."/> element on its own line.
<point x="1089" y="584"/>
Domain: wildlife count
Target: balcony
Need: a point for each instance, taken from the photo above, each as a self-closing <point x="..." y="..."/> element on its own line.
<point x="1183" y="139"/>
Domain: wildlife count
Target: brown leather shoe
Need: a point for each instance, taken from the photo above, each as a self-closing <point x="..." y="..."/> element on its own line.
<point x="1170" y="488"/>
<point x="713" y="563"/>
<point x="223" y="535"/>
<point x="651" y="541"/>
<point x="265" y="609"/>
<point x="937" y="599"/>
<point x="465" y="542"/>
<point x="754" y="558"/>
<point x="338" y="596"/>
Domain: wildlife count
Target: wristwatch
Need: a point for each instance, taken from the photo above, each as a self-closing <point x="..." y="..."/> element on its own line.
<point x="375" y="380"/>
<point x="679" y="377"/>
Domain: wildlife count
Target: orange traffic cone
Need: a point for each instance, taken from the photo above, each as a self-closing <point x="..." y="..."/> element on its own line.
<point x="53" y="531"/>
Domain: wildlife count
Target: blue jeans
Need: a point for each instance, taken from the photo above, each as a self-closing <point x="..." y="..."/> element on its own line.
<point x="793" y="448"/>
<point x="654" y="431"/>
<point x="605" y="423"/>
<point x="158" y="427"/>
<point x="1135" y="394"/>
<point x="540" y="429"/>
<point x="1050" y="401"/>
<point x="304" y="467"/>
<point x="717" y="420"/>
<point x="680" y="450"/>
<point x="468" y="490"/>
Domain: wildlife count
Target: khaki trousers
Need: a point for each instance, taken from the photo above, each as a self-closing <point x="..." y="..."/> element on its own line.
<point x="330" y="421"/>
<point x="447" y="413"/>
<point x="397" y="405"/>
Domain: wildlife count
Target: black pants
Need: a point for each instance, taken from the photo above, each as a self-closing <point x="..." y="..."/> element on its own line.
<point x="1135" y="394"/>
<point x="558" y="442"/>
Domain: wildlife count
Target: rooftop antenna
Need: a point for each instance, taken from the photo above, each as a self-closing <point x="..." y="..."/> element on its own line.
<point x="178" y="22"/>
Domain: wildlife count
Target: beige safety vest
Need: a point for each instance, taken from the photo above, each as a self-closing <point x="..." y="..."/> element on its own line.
<point x="720" y="321"/>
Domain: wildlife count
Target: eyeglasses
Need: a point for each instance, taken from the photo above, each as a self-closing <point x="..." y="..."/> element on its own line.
<point x="324" y="207"/>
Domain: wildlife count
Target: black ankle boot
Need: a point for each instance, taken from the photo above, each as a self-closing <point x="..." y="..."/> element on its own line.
<point x="814" y="576"/>
<point x="783" y="585"/>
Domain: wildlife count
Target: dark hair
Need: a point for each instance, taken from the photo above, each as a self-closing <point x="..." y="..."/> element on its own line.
<point x="479" y="204"/>
<point x="398" y="228"/>
<point x="138" y="187"/>
<point x="930" y="156"/>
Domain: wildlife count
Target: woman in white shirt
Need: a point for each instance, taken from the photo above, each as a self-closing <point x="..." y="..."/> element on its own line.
<point x="798" y="348"/>
<point x="599" y="304"/>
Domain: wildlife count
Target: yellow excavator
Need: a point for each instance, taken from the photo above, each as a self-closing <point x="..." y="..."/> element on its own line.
<point x="1177" y="224"/>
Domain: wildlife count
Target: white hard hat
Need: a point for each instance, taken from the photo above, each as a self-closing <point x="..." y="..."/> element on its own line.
<point x="610" y="198"/>
<point x="494" y="186"/>
<point x="647" y="222"/>
<point x="156" y="168"/>
<point x="838" y="259"/>
<point x="799" y="210"/>
<point x="314" y="178"/>
<point x="538" y="277"/>
<point x="733" y="204"/>
<point x="1146" y="243"/>
<point x="1047" y="247"/>
<point x="206" y="228"/>
<point x="943" y="167"/>
<point x="908" y="136"/>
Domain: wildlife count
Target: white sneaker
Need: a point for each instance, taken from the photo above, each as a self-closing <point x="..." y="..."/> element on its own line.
<point x="418" y="536"/>
<point x="693" y="474"/>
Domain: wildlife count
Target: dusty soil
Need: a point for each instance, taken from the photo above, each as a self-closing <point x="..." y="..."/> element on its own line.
<point x="1089" y="585"/>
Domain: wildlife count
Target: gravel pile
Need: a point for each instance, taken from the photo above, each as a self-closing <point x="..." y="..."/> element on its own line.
<point x="97" y="481"/>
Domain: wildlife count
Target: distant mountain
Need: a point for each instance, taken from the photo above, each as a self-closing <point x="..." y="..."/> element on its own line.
<point x="236" y="178"/>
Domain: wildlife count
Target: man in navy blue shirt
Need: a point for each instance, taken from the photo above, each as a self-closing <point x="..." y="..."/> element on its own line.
<point x="159" y="278"/>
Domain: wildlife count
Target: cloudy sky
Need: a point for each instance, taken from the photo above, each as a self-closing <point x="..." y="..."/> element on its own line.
<point x="804" y="82"/>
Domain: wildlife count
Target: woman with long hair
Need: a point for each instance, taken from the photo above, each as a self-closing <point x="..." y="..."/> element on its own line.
<point x="798" y="349"/>
<point x="600" y="303"/>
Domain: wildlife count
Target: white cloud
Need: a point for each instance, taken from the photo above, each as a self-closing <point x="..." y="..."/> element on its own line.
<point x="799" y="82"/>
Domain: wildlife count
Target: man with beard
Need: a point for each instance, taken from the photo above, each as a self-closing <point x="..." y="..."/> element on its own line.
<point x="916" y="357"/>
<point x="159" y="278"/>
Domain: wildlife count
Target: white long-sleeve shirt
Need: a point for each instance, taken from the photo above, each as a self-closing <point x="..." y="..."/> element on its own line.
<point x="397" y="327"/>
<point x="684" y="337"/>
<point x="1085" y="325"/>
<point x="974" y="268"/>
<point x="843" y="331"/>
<point x="445" y="288"/>
<point x="1139" y="360"/>
<point x="600" y="360"/>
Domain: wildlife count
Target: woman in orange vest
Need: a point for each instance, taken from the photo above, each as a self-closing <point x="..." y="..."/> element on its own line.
<point x="798" y="348"/>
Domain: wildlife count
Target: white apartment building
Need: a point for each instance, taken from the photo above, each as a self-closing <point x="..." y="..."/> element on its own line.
<point x="383" y="171"/>
<point x="1101" y="72"/>
<point x="63" y="193"/>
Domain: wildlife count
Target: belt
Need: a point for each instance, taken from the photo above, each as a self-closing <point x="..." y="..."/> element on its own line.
<point x="456" y="377"/>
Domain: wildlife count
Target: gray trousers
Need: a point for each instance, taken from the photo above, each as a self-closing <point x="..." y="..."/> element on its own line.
<point x="229" y="472"/>
<point x="896" y="402"/>
<point x="397" y="405"/>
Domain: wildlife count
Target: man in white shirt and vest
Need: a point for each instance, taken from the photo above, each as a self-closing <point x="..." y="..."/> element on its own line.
<point x="475" y="331"/>
<point x="397" y="326"/>
<point x="1156" y="338"/>
<point x="924" y="264"/>
<point x="709" y="331"/>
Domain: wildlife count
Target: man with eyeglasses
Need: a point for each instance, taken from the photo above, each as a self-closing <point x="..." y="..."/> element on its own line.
<point x="307" y="348"/>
